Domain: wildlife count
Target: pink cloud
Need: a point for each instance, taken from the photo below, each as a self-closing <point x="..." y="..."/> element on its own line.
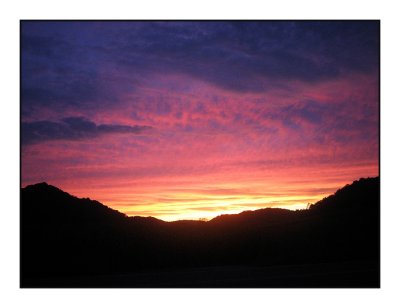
<point x="218" y="150"/>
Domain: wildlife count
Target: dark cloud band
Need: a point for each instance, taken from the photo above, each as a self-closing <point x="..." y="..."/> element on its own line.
<point x="73" y="128"/>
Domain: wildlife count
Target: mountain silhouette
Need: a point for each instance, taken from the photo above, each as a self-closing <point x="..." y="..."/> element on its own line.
<point x="71" y="242"/>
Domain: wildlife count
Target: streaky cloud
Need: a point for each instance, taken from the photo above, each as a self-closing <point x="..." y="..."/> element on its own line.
<point x="72" y="128"/>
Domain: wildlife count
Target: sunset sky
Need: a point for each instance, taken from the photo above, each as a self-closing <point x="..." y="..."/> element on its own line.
<point x="189" y="120"/>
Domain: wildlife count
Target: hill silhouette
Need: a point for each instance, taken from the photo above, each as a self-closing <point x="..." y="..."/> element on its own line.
<point x="72" y="242"/>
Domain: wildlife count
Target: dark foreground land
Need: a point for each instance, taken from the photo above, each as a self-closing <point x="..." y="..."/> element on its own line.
<point x="71" y="242"/>
<point x="325" y="275"/>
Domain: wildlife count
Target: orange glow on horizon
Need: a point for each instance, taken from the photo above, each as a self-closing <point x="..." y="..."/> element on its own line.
<point x="213" y="209"/>
<point x="208" y="196"/>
